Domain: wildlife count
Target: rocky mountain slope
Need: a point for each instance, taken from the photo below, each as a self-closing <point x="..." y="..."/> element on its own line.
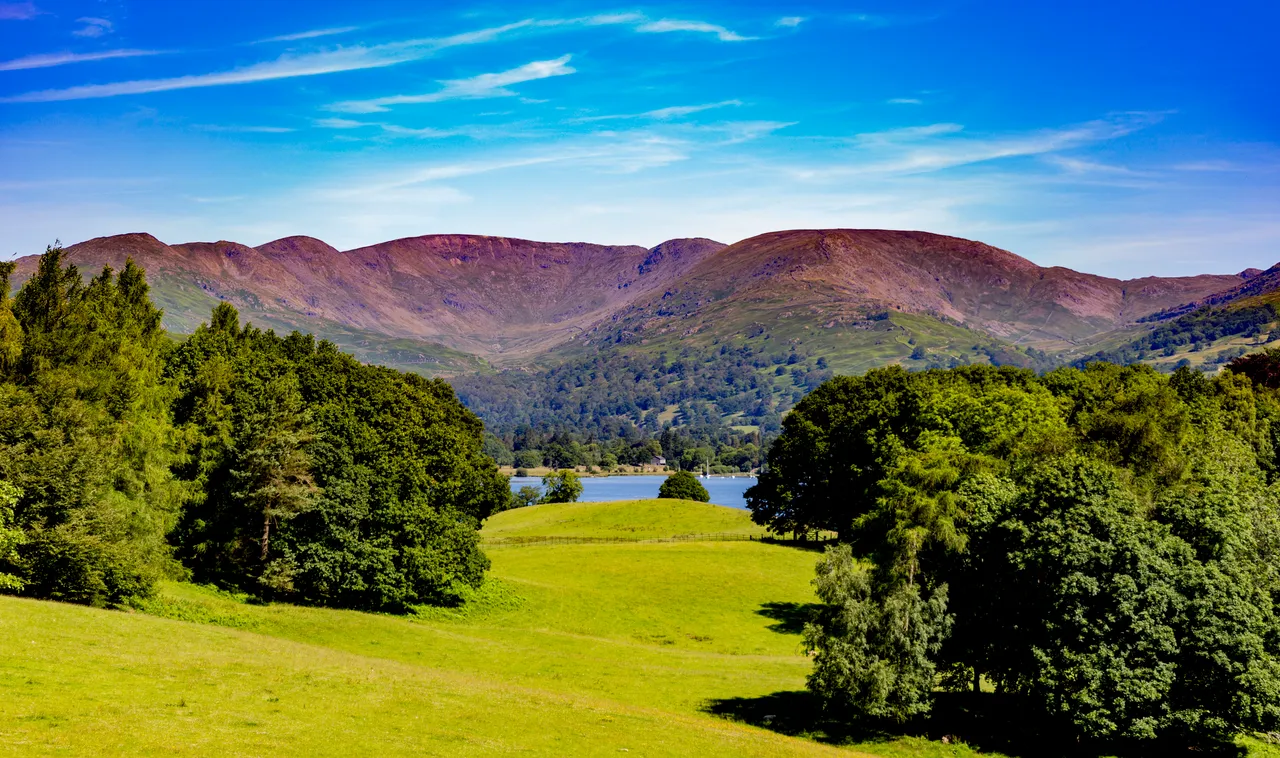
<point x="843" y="276"/>
<point x="441" y="303"/>
<point x="489" y="296"/>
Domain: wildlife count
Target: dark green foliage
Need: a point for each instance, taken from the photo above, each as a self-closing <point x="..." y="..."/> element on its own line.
<point x="1262" y="368"/>
<point x="561" y="487"/>
<point x="11" y="537"/>
<point x="1106" y="542"/>
<point x="683" y="486"/>
<point x="86" y="442"/>
<point x="1092" y="591"/>
<point x="525" y="497"/>
<point x="325" y="480"/>
<point x="873" y="656"/>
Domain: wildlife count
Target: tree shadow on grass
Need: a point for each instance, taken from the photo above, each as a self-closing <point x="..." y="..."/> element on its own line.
<point x="793" y="713"/>
<point x="791" y="617"/>
<point x="986" y="722"/>
<point x="812" y="546"/>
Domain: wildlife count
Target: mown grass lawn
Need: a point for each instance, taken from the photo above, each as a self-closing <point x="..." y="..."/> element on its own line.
<point x="587" y="649"/>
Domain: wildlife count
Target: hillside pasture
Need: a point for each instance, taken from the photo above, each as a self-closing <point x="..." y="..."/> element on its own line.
<point x="639" y="648"/>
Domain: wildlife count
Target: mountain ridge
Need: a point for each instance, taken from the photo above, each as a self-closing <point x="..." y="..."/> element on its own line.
<point x="510" y="300"/>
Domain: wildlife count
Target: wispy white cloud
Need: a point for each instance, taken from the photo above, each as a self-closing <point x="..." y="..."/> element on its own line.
<point x="1082" y="166"/>
<point x="396" y="130"/>
<point x="676" y="25"/>
<point x="745" y="131"/>
<point x="877" y="21"/>
<point x="600" y="19"/>
<point x="660" y="114"/>
<point x="943" y="154"/>
<point x="391" y="129"/>
<point x="790" y="21"/>
<point x="47" y="60"/>
<point x="473" y="88"/>
<point x="339" y="123"/>
<point x="93" y="27"/>
<point x="427" y="132"/>
<point x="286" y="66"/>
<point x="1211" y="165"/>
<point x="350" y="58"/>
<point x="677" y="111"/>
<point x="907" y="133"/>
<point x="610" y="152"/>
<point x="18" y="11"/>
<point x="244" y="129"/>
<point x="311" y="34"/>
<point x="936" y="147"/>
<point x="905" y="101"/>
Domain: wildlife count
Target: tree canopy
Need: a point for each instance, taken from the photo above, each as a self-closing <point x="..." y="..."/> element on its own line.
<point x="561" y="487"/>
<point x="1101" y="542"/>
<point x="683" y="485"/>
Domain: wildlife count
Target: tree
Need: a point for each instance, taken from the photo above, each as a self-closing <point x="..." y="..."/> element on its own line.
<point x="683" y="485"/>
<point x="1263" y="367"/>
<point x="10" y="538"/>
<point x="1091" y="589"/>
<point x="399" y="482"/>
<point x="525" y="497"/>
<point x="561" y="487"/>
<point x="271" y="472"/>
<point x="10" y="329"/>
<point x="873" y="655"/>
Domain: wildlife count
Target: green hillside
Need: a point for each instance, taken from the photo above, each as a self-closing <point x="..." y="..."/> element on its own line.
<point x="637" y="519"/>
<point x="569" y="650"/>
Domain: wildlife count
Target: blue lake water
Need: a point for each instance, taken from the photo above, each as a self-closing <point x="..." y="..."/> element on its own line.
<point x="724" y="490"/>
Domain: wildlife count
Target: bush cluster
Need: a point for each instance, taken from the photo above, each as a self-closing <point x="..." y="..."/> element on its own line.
<point x="1102" y="543"/>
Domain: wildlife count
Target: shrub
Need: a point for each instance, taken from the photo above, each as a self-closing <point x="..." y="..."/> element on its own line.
<point x="683" y="486"/>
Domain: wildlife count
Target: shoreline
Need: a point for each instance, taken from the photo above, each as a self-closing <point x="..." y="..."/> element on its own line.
<point x="539" y="473"/>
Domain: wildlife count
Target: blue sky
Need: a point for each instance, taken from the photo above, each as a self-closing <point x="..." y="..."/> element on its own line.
<point x="1123" y="138"/>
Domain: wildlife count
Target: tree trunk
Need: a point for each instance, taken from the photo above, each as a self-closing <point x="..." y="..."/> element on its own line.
<point x="266" y="534"/>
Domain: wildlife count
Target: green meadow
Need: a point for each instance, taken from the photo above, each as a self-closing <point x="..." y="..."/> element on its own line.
<point x="645" y="648"/>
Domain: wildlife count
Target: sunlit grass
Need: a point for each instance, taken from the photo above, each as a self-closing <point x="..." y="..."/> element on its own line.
<point x="635" y="519"/>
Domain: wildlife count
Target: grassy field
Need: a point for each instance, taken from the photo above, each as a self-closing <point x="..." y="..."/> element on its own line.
<point x="637" y="519"/>
<point x="568" y="650"/>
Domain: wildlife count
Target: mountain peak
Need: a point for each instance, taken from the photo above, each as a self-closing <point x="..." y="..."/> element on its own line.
<point x="297" y="245"/>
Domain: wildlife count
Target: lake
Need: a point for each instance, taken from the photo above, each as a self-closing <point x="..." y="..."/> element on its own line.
<point x="597" y="489"/>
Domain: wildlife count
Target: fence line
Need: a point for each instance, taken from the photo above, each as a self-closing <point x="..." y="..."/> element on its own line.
<point x="697" y="537"/>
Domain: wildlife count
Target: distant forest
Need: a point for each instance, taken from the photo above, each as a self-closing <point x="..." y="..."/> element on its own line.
<point x="692" y="407"/>
<point x="722" y="406"/>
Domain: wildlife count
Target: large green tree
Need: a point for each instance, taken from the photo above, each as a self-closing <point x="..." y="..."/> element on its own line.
<point x="86" y="434"/>
<point x="325" y="480"/>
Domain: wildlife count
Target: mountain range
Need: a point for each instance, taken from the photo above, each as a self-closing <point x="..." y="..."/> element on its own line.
<point x="448" y="304"/>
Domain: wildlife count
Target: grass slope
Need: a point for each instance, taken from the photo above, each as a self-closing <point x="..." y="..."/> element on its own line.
<point x="636" y="519"/>
<point x="588" y="649"/>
